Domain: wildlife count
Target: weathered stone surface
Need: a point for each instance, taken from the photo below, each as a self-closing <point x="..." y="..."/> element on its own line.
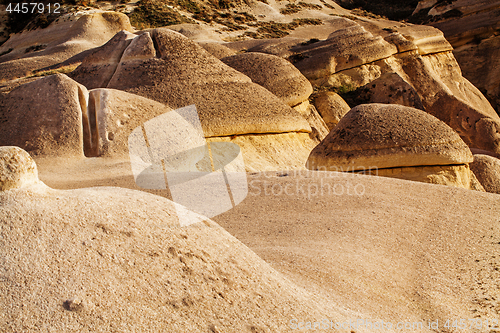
<point x="345" y="48"/>
<point x="98" y="68"/>
<point x="273" y="73"/>
<point x="115" y="114"/>
<point x="88" y="32"/>
<point x="387" y="136"/>
<point x="227" y="101"/>
<point x="446" y="94"/>
<point x="318" y="125"/>
<point x="487" y="171"/>
<point x="282" y="151"/>
<point x="45" y="117"/>
<point x="218" y="50"/>
<point x="17" y="168"/>
<point x="331" y="107"/>
<point x="390" y="88"/>
<point x="449" y="175"/>
<point x="480" y="64"/>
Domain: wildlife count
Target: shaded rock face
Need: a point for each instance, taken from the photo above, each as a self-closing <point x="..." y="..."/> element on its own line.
<point x="380" y="136"/>
<point x="273" y="73"/>
<point x="331" y="107"/>
<point x="417" y="59"/>
<point x="45" y="117"/>
<point x="113" y="115"/>
<point x="123" y="260"/>
<point x="480" y="64"/>
<point x="60" y="44"/>
<point x="487" y="171"/>
<point x="98" y="68"/>
<point x="472" y="29"/>
<point x="390" y="88"/>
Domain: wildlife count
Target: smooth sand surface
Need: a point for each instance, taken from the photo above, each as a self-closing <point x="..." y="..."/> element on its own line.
<point x="368" y="247"/>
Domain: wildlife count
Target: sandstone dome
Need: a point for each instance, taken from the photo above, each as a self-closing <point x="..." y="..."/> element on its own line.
<point x="388" y="136"/>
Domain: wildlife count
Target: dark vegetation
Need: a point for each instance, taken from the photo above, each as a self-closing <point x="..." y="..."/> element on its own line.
<point x="277" y="30"/>
<point x="398" y="10"/>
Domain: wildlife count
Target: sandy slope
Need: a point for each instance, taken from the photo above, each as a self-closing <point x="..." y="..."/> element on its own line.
<point x="391" y="249"/>
<point x="372" y="248"/>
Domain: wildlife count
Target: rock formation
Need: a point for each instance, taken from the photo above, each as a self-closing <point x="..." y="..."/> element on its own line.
<point x="359" y="52"/>
<point x="472" y="29"/>
<point x="45" y="117"/>
<point x="487" y="171"/>
<point x="331" y="107"/>
<point x="165" y="66"/>
<point x="60" y="42"/>
<point x="377" y="138"/>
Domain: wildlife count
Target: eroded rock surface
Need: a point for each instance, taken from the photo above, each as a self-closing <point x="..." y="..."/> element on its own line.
<point x="59" y="44"/>
<point x="380" y="136"/>
<point x="487" y="171"/>
<point x="45" y="117"/>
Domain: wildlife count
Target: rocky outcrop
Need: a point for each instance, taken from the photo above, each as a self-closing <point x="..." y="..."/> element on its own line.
<point x="45" y="117"/>
<point x="168" y="68"/>
<point x="389" y="88"/>
<point x="17" y="168"/>
<point x="375" y="137"/>
<point x="331" y="107"/>
<point x="58" y="45"/>
<point x="357" y="53"/>
<point x="113" y="115"/>
<point x="472" y="28"/>
<point x="97" y="68"/>
<point x="273" y="73"/>
<point x="487" y="171"/>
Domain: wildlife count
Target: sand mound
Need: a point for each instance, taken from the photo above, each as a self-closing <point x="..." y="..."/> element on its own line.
<point x="388" y="249"/>
<point x="106" y="259"/>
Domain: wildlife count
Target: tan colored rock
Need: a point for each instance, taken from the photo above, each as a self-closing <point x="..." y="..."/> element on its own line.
<point x="88" y="32"/>
<point x="446" y="94"/>
<point x="271" y="152"/>
<point x="427" y="39"/>
<point x="45" y="117"/>
<point x="17" y="168"/>
<point x="390" y="88"/>
<point x="331" y="107"/>
<point x="196" y="32"/>
<point x="480" y="64"/>
<point x="123" y="260"/>
<point x="348" y="47"/>
<point x="388" y="136"/>
<point x="218" y="50"/>
<point x="318" y="125"/>
<point x="98" y="67"/>
<point x="115" y="114"/>
<point x="183" y="73"/>
<point x="449" y="175"/>
<point x="273" y="73"/>
<point x="487" y="171"/>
